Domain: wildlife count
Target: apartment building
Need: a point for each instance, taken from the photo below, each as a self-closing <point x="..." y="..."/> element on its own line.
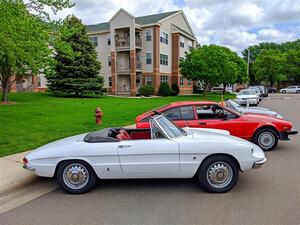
<point x="144" y="50"/>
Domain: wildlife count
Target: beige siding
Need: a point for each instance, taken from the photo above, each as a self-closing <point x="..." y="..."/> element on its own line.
<point x="147" y="46"/>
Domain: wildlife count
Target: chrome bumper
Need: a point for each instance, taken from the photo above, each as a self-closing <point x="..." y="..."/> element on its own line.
<point x="28" y="167"/>
<point x="259" y="163"/>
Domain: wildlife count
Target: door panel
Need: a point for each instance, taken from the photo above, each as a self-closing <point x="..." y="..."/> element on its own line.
<point x="154" y="158"/>
<point x="208" y="118"/>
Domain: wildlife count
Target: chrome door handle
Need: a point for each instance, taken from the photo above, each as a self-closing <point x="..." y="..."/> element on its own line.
<point x="124" y="146"/>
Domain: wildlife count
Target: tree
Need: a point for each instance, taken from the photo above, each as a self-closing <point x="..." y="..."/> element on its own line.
<point x="292" y="68"/>
<point x="269" y="66"/>
<point x="77" y="68"/>
<point x="24" y="39"/>
<point x="253" y="52"/>
<point x="212" y="64"/>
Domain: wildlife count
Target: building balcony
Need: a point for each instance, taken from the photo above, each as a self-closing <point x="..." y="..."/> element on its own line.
<point x="138" y="42"/>
<point x="138" y="65"/>
<point x="122" y="69"/>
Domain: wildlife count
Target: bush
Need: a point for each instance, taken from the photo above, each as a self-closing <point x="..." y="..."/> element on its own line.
<point x="164" y="90"/>
<point x="175" y="90"/>
<point x="146" y="90"/>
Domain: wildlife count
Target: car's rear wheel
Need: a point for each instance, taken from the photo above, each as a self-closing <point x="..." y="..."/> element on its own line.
<point x="298" y="92"/>
<point x="283" y="91"/>
<point x="266" y="139"/>
<point x="76" y="177"/>
<point x="218" y="174"/>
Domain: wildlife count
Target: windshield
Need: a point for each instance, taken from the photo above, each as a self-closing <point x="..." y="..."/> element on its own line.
<point x="170" y="128"/>
<point x="247" y="92"/>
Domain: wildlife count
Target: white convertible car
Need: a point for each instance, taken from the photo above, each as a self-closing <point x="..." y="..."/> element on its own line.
<point x="164" y="151"/>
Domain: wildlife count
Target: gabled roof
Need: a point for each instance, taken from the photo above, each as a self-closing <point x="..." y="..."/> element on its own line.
<point x="142" y="20"/>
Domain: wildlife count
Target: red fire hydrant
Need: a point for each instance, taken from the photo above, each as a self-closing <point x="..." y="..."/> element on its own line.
<point x="98" y="115"/>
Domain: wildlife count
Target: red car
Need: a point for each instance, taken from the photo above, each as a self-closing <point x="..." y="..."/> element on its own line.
<point x="263" y="130"/>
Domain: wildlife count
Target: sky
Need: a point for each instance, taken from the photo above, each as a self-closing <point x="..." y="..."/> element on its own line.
<point x="235" y="24"/>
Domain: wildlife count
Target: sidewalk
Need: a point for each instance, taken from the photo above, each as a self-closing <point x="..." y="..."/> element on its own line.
<point x="17" y="185"/>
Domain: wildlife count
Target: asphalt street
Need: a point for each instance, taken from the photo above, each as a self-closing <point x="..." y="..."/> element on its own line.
<point x="269" y="195"/>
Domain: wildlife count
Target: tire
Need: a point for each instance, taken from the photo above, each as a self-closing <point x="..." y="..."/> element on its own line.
<point x="298" y="92"/>
<point x="83" y="169"/>
<point x="208" y="178"/>
<point x="263" y="137"/>
<point x="283" y="92"/>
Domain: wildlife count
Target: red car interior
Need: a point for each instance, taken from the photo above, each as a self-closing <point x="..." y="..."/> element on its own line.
<point x="134" y="135"/>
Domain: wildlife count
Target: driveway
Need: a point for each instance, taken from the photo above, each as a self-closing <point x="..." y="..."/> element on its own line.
<point x="270" y="195"/>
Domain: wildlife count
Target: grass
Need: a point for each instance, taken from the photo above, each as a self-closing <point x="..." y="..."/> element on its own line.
<point x="39" y="118"/>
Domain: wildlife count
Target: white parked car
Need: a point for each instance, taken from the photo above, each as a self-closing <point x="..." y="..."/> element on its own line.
<point x="254" y="110"/>
<point x="291" y="89"/>
<point x="247" y="96"/>
<point x="164" y="151"/>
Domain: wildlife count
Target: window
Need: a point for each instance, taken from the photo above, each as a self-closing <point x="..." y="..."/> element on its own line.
<point x="148" y="58"/>
<point x="190" y="45"/>
<point x="148" y="80"/>
<point x="163" y="37"/>
<point x="163" y="59"/>
<point x="108" y="39"/>
<point x="181" y="42"/>
<point x="94" y="39"/>
<point x="148" y="35"/>
<point x="173" y="114"/>
<point x="213" y="112"/>
<point x="181" y="81"/>
<point x="109" y="60"/>
<point x="187" y="113"/>
<point x="163" y="79"/>
<point x="109" y="81"/>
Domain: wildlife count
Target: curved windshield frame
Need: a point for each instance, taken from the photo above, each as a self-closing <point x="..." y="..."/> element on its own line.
<point x="171" y="130"/>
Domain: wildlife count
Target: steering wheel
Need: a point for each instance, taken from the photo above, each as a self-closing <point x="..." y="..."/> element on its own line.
<point x="221" y="114"/>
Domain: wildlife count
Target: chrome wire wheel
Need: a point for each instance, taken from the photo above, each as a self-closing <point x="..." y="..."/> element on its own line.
<point x="266" y="140"/>
<point x="219" y="174"/>
<point x="75" y="176"/>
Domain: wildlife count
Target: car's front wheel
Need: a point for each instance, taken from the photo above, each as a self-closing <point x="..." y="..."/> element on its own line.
<point x="218" y="174"/>
<point x="76" y="177"/>
<point x="283" y="91"/>
<point x="266" y="139"/>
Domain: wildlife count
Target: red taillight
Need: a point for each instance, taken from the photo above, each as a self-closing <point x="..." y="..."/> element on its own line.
<point x="25" y="161"/>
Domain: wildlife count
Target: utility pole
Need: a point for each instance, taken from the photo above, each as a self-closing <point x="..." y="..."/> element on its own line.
<point x="248" y="63"/>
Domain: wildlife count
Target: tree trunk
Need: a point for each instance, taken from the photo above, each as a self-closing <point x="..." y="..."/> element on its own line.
<point x="224" y="88"/>
<point x="5" y="91"/>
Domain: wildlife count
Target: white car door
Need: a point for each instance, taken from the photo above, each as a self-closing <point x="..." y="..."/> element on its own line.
<point x="291" y="89"/>
<point x="151" y="158"/>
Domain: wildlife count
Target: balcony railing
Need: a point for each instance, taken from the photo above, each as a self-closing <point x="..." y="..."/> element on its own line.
<point x="138" y="65"/>
<point x="122" y="68"/>
<point x="138" y="42"/>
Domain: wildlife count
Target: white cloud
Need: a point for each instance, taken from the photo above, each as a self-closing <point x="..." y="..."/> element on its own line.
<point x="236" y="23"/>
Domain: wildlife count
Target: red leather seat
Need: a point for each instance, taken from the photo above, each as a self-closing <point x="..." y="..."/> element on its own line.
<point x="123" y="135"/>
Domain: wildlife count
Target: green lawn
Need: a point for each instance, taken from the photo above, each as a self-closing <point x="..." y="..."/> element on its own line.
<point x="39" y="118"/>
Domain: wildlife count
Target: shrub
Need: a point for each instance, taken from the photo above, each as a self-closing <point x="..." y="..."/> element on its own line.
<point x="146" y="90"/>
<point x="175" y="90"/>
<point x="164" y="89"/>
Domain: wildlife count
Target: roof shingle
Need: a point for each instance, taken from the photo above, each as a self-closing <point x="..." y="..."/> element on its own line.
<point x="142" y="20"/>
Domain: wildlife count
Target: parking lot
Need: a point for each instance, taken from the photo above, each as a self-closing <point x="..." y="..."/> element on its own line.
<point x="270" y="195"/>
